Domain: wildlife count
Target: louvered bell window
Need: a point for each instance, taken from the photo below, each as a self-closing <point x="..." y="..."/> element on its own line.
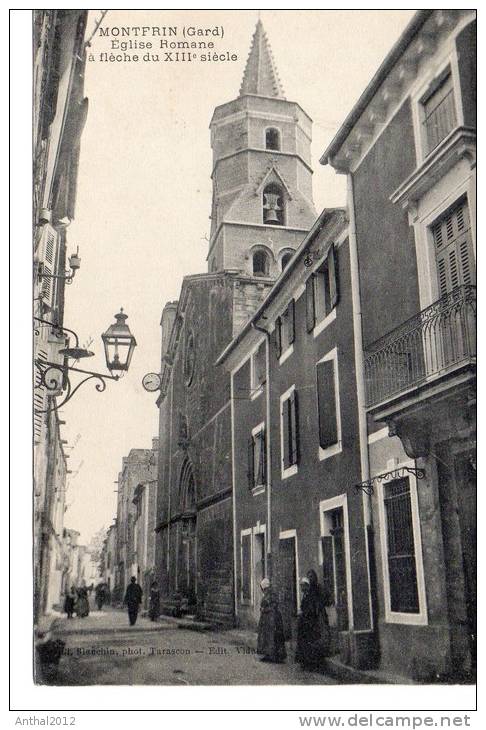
<point x="453" y="249"/>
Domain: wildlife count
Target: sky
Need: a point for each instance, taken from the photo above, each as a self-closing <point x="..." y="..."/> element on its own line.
<point x="144" y="198"/>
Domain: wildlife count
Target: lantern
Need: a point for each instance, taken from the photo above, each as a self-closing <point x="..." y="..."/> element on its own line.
<point x="119" y="343"/>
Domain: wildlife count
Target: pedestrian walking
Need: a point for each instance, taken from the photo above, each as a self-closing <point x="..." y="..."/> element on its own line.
<point x="313" y="626"/>
<point x="82" y="604"/>
<point x="271" y="639"/>
<point x="70" y="602"/>
<point x="154" y="605"/>
<point x="133" y="599"/>
<point x="100" y="595"/>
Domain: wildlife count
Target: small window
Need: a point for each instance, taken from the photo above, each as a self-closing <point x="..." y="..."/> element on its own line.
<point x="285" y="329"/>
<point x="261" y="263"/>
<point x="402" y="570"/>
<point x="273" y="205"/>
<point x="257" y="460"/>
<point x="439" y="113"/>
<point x="322" y="290"/>
<point x="272" y="139"/>
<point x="290" y="430"/>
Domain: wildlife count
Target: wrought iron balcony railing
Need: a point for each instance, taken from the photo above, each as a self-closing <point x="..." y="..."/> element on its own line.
<point x="425" y="347"/>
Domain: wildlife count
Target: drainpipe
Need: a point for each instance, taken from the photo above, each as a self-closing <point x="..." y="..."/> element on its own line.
<point x="360" y="379"/>
<point x="268" y="450"/>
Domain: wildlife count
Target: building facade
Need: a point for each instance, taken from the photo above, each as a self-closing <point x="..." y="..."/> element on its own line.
<point x="138" y="468"/>
<point x="408" y="150"/>
<point x="296" y="447"/>
<point x="262" y="208"/>
<point x="59" y="113"/>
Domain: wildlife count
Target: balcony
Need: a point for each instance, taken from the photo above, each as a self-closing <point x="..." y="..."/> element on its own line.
<point x="424" y="352"/>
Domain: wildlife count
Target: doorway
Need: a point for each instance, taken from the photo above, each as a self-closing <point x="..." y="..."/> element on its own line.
<point x="258" y="567"/>
<point x="287" y="575"/>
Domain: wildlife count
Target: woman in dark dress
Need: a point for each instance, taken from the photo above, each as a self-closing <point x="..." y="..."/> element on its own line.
<point x="70" y="602"/>
<point x="82" y="605"/>
<point x="154" y="606"/>
<point x="271" y="640"/>
<point x="313" y="626"/>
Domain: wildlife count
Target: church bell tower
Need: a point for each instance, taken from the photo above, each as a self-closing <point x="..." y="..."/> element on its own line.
<point x="262" y="179"/>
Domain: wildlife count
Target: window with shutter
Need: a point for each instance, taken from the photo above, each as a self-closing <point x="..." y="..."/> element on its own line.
<point x="439" y="112"/>
<point x="289" y="423"/>
<point x="327" y="403"/>
<point x="322" y="291"/>
<point x="286" y="433"/>
<point x="285" y="330"/>
<point x="453" y="249"/>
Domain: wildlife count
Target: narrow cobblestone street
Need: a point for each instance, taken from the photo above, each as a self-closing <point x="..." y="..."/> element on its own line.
<point x="104" y="649"/>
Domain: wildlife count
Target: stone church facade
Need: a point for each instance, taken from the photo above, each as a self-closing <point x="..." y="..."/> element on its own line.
<point x="262" y="208"/>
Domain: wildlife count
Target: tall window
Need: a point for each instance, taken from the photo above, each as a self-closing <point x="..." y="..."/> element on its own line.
<point x="322" y="291"/>
<point x="439" y="113"/>
<point x="272" y="139"/>
<point x="400" y="547"/>
<point x="257" y="459"/>
<point x="261" y="263"/>
<point x="285" y="329"/>
<point x="273" y="205"/>
<point x="453" y="249"/>
<point x="289" y="415"/>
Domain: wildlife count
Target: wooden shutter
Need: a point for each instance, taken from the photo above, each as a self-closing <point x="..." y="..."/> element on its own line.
<point x="291" y="321"/>
<point x="326" y="399"/>
<point x="263" y="456"/>
<point x="333" y="276"/>
<point x="286" y="406"/>
<point x="251" y="463"/>
<point x="294" y="427"/>
<point x="328" y="570"/>
<point x="278" y="336"/>
<point x="47" y="260"/>
<point x="310" y="304"/>
<point x="453" y="249"/>
<point x="40" y="398"/>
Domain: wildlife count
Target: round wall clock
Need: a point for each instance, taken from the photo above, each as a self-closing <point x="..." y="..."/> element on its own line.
<point x="151" y="382"/>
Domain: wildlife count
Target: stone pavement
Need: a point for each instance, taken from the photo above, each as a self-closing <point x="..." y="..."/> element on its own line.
<point x="103" y="649"/>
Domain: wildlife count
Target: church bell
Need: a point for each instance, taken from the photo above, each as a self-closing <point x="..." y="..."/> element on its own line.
<point x="271" y="207"/>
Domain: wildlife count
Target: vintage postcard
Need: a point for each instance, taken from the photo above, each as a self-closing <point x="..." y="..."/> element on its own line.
<point x="254" y="327"/>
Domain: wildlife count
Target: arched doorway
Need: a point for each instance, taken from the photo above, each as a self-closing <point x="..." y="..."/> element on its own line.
<point x="187" y="534"/>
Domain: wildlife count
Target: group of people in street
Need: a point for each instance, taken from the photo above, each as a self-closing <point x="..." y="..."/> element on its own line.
<point x="313" y="634"/>
<point x="76" y="601"/>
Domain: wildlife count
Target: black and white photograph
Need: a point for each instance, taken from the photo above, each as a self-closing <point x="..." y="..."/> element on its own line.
<point x="254" y="349"/>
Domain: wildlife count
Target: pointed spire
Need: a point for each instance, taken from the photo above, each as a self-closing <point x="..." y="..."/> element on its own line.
<point x="261" y="75"/>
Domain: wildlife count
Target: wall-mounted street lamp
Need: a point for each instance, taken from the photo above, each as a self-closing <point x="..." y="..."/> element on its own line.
<point x="119" y="345"/>
<point x="68" y="276"/>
